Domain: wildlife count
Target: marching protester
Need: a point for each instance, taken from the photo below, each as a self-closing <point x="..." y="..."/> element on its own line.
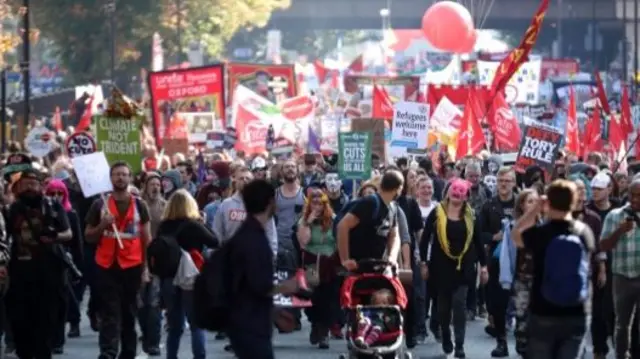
<point x="120" y="225"/>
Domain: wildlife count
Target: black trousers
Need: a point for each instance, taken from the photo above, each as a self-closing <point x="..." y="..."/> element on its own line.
<point x="497" y="299"/>
<point x="32" y="310"/>
<point x="118" y="289"/>
<point x="322" y="311"/>
<point x="603" y="318"/>
<point x="248" y="346"/>
<point x="60" y="323"/>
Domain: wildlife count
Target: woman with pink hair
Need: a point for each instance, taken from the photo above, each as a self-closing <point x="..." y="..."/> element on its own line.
<point x="70" y="312"/>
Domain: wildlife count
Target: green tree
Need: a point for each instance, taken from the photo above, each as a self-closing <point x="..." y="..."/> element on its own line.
<point x="214" y="23"/>
<point x="82" y="33"/>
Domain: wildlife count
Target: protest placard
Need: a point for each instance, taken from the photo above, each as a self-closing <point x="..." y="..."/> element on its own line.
<point x="92" y="171"/>
<point x="119" y="139"/>
<point x="354" y="161"/>
<point x="410" y="125"/>
<point x="539" y="146"/>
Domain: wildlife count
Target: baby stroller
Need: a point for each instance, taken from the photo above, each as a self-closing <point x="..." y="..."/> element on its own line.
<point x="355" y="297"/>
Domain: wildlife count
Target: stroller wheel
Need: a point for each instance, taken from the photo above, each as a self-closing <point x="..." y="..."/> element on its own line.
<point x="342" y="356"/>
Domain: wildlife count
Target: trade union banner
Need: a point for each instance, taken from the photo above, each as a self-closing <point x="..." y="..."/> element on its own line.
<point x="191" y="90"/>
<point x="273" y="82"/>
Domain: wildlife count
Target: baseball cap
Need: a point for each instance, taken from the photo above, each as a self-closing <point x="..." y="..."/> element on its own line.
<point x="601" y="180"/>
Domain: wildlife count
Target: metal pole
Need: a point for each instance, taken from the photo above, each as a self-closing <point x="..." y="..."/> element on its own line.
<point x="594" y="36"/>
<point x="111" y="9"/>
<point x="560" y="16"/>
<point x="3" y="115"/>
<point x="179" y="31"/>
<point x="635" y="39"/>
<point x="26" y="58"/>
<point x="625" y="50"/>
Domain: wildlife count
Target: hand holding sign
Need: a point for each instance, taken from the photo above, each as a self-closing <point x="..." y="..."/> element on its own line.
<point x="92" y="172"/>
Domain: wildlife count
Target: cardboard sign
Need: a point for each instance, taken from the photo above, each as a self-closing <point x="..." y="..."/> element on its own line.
<point x="39" y="141"/>
<point x="354" y="161"/>
<point x="92" y="171"/>
<point x="80" y="144"/>
<point x="539" y="146"/>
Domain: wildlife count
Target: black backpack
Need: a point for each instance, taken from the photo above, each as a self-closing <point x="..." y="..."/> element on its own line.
<point x="213" y="291"/>
<point x="164" y="254"/>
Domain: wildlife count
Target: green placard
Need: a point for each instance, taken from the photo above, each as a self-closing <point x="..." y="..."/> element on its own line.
<point x="119" y="139"/>
<point x="354" y="161"/>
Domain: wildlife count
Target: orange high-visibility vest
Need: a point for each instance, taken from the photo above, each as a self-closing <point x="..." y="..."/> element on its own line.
<point x="128" y="226"/>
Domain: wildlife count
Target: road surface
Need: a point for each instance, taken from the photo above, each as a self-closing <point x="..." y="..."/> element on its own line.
<point x="294" y="346"/>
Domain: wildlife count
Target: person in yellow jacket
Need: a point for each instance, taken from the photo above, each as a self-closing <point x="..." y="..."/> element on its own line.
<point x="119" y="225"/>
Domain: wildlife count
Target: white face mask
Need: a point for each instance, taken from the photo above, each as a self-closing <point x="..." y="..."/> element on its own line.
<point x="491" y="182"/>
<point x="333" y="182"/>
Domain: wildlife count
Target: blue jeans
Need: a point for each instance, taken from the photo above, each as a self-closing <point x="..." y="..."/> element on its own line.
<point x="179" y="305"/>
<point x="556" y="338"/>
<point x="149" y="314"/>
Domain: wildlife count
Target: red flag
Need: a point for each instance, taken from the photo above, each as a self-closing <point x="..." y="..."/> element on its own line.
<point x="593" y="133"/>
<point x="471" y="138"/>
<point x="602" y="95"/>
<point x="572" y="143"/>
<point x="321" y="71"/>
<point x="357" y="66"/>
<point x="510" y="64"/>
<point x="56" y="121"/>
<point x="85" y="120"/>
<point x="625" y="111"/>
<point x="382" y="104"/>
<point x="507" y="130"/>
<point x="617" y="134"/>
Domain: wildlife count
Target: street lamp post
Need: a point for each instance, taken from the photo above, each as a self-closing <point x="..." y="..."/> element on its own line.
<point x="110" y="9"/>
<point x="24" y="65"/>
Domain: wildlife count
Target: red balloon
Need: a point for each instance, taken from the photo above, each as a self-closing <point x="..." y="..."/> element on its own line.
<point x="469" y="44"/>
<point x="447" y="25"/>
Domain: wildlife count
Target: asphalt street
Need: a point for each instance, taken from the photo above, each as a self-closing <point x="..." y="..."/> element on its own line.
<point x="294" y="346"/>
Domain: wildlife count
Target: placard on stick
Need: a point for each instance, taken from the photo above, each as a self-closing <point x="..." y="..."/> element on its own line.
<point x="92" y="171"/>
<point x="539" y="146"/>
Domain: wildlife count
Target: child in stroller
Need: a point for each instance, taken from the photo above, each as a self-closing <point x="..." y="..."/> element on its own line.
<point x="374" y="299"/>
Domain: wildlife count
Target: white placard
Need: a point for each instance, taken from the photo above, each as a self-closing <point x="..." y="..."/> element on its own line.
<point x="39" y="141"/>
<point x="410" y="125"/>
<point x="92" y="171"/>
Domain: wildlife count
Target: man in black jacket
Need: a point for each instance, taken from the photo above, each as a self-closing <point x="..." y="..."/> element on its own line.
<point x="251" y="320"/>
<point x="492" y="214"/>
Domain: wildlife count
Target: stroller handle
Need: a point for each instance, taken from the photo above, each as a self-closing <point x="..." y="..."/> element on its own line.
<point x="372" y="265"/>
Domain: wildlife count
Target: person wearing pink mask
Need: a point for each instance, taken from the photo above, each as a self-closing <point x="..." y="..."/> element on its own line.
<point x="70" y="312"/>
<point x="456" y="247"/>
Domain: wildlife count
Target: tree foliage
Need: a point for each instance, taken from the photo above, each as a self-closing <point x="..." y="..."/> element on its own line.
<point x="9" y="36"/>
<point x="82" y="33"/>
<point x="215" y="22"/>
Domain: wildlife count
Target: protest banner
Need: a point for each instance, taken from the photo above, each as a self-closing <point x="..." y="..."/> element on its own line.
<point x="410" y="126"/>
<point x="539" y="146"/>
<point x="198" y="89"/>
<point x="354" y="161"/>
<point x="119" y="139"/>
<point x="399" y="88"/>
<point x="377" y="129"/>
<point x="266" y="80"/>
